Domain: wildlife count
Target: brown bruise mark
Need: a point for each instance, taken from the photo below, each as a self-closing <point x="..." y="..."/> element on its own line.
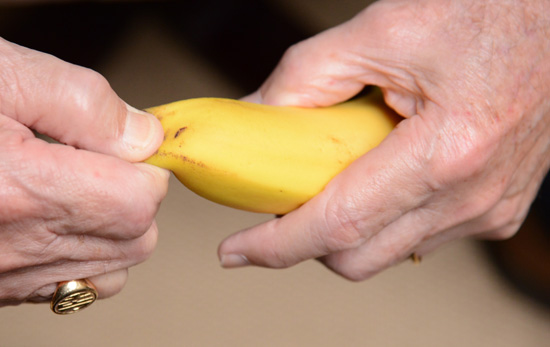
<point x="192" y="161"/>
<point x="183" y="158"/>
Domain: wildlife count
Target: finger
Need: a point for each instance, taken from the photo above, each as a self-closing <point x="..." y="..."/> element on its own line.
<point x="101" y="195"/>
<point x="110" y="284"/>
<point x="419" y="231"/>
<point x="353" y="207"/>
<point x="391" y="245"/>
<point x="102" y="254"/>
<point x="107" y="285"/>
<point x="73" y="105"/>
<point x="11" y="131"/>
<point x="105" y="263"/>
<point x="415" y="233"/>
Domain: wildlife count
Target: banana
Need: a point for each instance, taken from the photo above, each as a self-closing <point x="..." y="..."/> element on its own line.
<point x="268" y="159"/>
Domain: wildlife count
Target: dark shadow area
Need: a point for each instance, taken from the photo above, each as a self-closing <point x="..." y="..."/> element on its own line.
<point x="79" y="33"/>
<point x="242" y="39"/>
<point x="524" y="260"/>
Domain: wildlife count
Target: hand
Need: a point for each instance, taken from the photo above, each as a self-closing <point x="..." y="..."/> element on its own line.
<point x="80" y="210"/>
<point x="472" y="80"/>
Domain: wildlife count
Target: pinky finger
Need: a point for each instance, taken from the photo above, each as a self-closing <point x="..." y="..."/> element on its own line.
<point x="111" y="283"/>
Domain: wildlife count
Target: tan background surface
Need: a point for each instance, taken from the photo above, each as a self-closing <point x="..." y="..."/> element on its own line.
<point x="181" y="297"/>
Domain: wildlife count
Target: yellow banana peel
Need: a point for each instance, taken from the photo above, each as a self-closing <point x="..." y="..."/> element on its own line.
<point x="268" y="159"/>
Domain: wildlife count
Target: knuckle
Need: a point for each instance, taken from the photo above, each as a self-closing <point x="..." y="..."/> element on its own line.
<point x="503" y="222"/>
<point x="460" y="151"/>
<point x="141" y="222"/>
<point x="354" y="271"/>
<point x="489" y="203"/>
<point x="93" y="79"/>
<point x="277" y="259"/>
<point x="145" y="215"/>
<point x="100" y="97"/>
<point x="133" y="215"/>
<point x="11" y="83"/>
<point x="81" y="80"/>
<point x="289" y="59"/>
<point x="143" y="247"/>
<point x="462" y="165"/>
<point x="389" y="18"/>
<point x="149" y="243"/>
<point x="459" y="159"/>
<point x="346" y="236"/>
<point x="276" y="255"/>
<point x="505" y="218"/>
<point x="344" y="227"/>
<point x="505" y="232"/>
<point x="354" y="276"/>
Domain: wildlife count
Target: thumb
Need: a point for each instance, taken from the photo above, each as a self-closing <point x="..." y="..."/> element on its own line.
<point x="320" y="71"/>
<point x="73" y="105"/>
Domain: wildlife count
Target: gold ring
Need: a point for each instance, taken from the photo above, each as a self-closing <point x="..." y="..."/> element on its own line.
<point x="416" y="259"/>
<point x="73" y="296"/>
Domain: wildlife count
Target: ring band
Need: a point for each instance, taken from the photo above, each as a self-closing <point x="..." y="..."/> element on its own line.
<point x="416" y="259"/>
<point x="73" y="296"/>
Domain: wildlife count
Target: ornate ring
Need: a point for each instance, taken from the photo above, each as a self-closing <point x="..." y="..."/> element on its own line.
<point x="73" y="296"/>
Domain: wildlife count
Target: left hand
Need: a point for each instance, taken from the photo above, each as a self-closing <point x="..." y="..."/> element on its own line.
<point x="81" y="210"/>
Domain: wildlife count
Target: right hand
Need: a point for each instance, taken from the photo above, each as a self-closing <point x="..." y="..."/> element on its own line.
<point x="472" y="80"/>
<point x="81" y="209"/>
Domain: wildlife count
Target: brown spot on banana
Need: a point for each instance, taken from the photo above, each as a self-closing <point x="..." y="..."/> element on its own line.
<point x="180" y="130"/>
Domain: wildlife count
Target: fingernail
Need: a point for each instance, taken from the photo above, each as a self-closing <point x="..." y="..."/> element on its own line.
<point x="233" y="260"/>
<point x="141" y="132"/>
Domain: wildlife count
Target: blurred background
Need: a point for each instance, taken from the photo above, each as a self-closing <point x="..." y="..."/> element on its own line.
<point x="466" y="294"/>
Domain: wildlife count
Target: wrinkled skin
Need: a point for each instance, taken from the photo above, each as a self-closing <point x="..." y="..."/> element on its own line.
<point x="80" y="210"/>
<point x="472" y="79"/>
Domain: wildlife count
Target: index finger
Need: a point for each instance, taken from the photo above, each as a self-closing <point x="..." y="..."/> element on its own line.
<point x="371" y="193"/>
<point x="76" y="191"/>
